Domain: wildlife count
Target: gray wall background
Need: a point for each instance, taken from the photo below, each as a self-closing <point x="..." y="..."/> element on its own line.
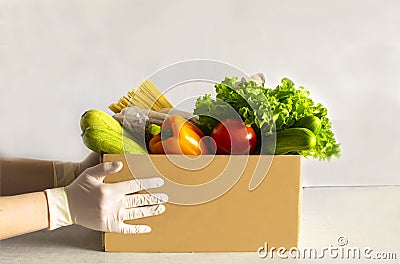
<point x="60" y="58"/>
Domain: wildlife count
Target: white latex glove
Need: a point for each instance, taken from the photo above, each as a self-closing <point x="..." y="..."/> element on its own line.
<point x="104" y="206"/>
<point x="90" y="160"/>
<point x="67" y="172"/>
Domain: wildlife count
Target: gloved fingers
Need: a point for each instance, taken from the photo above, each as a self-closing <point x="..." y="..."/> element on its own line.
<point x="145" y="211"/>
<point x="100" y="171"/>
<point x="134" y="229"/>
<point x="133" y="186"/>
<point x="135" y="200"/>
<point x="90" y="160"/>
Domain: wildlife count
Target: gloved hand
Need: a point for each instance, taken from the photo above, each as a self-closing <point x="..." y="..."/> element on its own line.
<point x="104" y="206"/>
<point x="67" y="172"/>
<point x="90" y="160"/>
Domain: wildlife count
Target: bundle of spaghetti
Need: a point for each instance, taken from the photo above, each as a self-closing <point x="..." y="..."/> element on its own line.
<point x="147" y="97"/>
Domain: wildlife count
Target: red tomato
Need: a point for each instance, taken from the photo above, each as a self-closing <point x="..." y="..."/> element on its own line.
<point x="232" y="136"/>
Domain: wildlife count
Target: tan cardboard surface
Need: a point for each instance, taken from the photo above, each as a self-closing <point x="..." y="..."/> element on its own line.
<point x="239" y="220"/>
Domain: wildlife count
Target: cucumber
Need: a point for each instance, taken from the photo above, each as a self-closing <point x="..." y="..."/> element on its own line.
<point x="311" y="122"/>
<point x="102" y="140"/>
<point x="99" y="118"/>
<point x="291" y="140"/>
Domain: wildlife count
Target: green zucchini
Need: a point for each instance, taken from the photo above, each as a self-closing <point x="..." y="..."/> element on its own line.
<point x="99" y="118"/>
<point x="311" y="122"/>
<point x="102" y="140"/>
<point x="291" y="140"/>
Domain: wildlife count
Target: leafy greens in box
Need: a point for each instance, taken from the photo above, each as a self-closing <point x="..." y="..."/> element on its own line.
<point x="268" y="110"/>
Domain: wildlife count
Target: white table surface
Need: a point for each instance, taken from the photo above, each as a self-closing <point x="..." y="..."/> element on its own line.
<point x="366" y="216"/>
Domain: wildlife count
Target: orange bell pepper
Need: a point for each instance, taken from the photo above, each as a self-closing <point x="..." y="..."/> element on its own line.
<point x="178" y="136"/>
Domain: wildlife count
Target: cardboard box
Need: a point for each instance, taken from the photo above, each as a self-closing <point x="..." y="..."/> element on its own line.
<point x="238" y="220"/>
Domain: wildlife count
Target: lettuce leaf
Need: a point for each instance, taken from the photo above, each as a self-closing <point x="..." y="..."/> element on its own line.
<point x="246" y="99"/>
<point x="289" y="105"/>
<point x="267" y="109"/>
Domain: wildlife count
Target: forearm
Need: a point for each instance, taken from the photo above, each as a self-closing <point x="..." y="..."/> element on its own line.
<point x="19" y="176"/>
<point x="23" y="214"/>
